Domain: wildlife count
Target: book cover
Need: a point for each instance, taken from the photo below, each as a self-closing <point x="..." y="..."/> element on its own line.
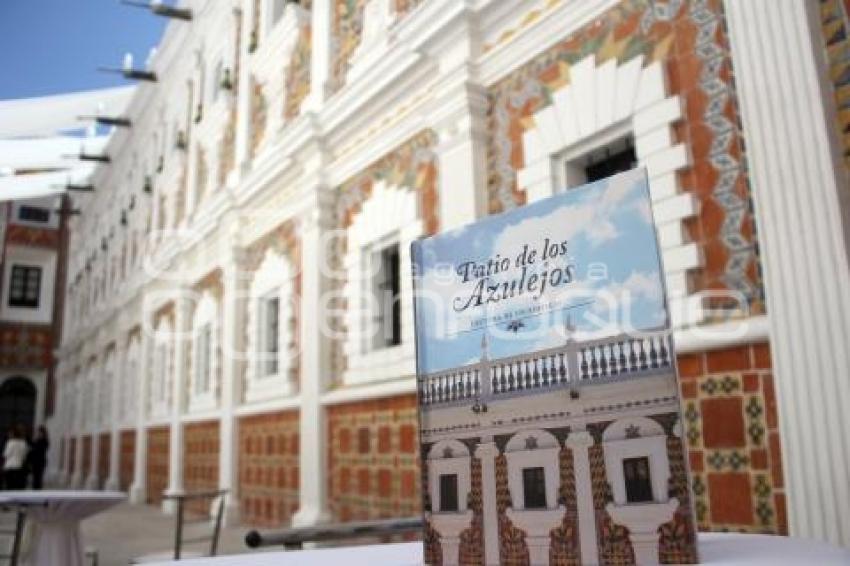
<point x="549" y="408"/>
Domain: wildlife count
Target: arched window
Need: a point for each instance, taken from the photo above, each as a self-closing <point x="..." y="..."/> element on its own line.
<point x="205" y="348"/>
<point x="270" y="338"/>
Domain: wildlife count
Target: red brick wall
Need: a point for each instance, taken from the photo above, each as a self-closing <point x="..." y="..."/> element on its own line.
<point x="128" y="459"/>
<point x="732" y="434"/>
<point x="373" y="460"/>
<point x="157" y="470"/>
<point x="268" y="468"/>
<point x="103" y="454"/>
<point x="200" y="461"/>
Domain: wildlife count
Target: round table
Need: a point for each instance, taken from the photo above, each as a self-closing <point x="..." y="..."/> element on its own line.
<point x="727" y="549"/>
<point x="53" y="520"/>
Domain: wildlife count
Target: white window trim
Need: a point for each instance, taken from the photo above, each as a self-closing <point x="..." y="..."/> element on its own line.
<point x="545" y="455"/>
<point x="614" y="100"/>
<point x="458" y="463"/>
<point x="129" y="383"/>
<point x="49" y="204"/>
<point x="389" y="214"/>
<point x="162" y="367"/>
<point x="652" y="444"/>
<point x="206" y="315"/>
<point x="30" y="256"/>
<point x="274" y="276"/>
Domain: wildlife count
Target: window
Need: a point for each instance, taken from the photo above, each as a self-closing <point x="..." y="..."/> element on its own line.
<point x="387" y="295"/>
<point x="534" y="488"/>
<point x="269" y="309"/>
<point x="33" y="214"/>
<point x="25" y="286"/>
<point x="638" y="483"/>
<point x="448" y="493"/>
<point x="203" y="359"/>
<point x="612" y="158"/>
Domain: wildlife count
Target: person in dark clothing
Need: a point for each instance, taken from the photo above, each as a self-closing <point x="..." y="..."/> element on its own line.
<point x="38" y="457"/>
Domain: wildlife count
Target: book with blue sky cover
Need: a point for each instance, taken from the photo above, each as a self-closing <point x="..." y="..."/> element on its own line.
<point x="549" y="411"/>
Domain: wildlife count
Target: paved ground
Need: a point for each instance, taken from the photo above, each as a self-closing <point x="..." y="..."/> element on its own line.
<point x="128" y="531"/>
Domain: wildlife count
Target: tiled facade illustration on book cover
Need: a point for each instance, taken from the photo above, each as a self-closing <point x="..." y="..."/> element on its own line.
<point x="549" y="410"/>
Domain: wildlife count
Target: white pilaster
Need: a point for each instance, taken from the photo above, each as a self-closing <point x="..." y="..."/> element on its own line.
<point x="77" y="480"/>
<point x="579" y="442"/>
<point x="243" y="95"/>
<point x="487" y="452"/>
<point x="181" y="342"/>
<point x="796" y="180"/>
<point x="315" y="360"/>
<point x="139" y="487"/>
<point x="112" y="481"/>
<point x="462" y="154"/>
<point x="93" y="481"/>
<point x="320" y="54"/>
<point x="233" y="317"/>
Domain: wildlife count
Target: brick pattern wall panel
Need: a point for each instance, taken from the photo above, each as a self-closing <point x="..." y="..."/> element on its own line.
<point x="103" y="457"/>
<point x="373" y="460"/>
<point x="128" y="459"/>
<point x="565" y="549"/>
<point x="835" y="27"/>
<point x="200" y="466"/>
<point x="26" y="346"/>
<point x="472" y="538"/>
<point x="689" y="38"/>
<point x="159" y="440"/>
<point x="268" y="468"/>
<point x="732" y="434"/>
<point x="676" y="545"/>
<point x="513" y="550"/>
<point x="615" y="548"/>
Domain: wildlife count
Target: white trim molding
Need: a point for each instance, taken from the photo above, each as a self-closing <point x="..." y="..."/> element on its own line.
<point x="600" y="104"/>
<point x="797" y="181"/>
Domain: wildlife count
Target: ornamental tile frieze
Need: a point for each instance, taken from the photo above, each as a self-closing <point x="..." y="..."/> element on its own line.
<point x="297" y="85"/>
<point x="689" y="39"/>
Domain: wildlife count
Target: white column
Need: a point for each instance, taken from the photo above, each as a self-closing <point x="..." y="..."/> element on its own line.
<point x="579" y="442"/>
<point x="77" y="480"/>
<point x="92" y="481"/>
<point x="796" y="180"/>
<point x="181" y="344"/>
<point x="235" y="284"/>
<point x="487" y="452"/>
<point x="112" y="481"/>
<point x="138" y="490"/>
<point x="321" y="53"/>
<point x="315" y="360"/>
<point x="243" y="96"/>
<point x="461" y="124"/>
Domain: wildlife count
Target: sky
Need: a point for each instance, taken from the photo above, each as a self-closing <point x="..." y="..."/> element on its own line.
<point x="55" y="46"/>
<point x="604" y="280"/>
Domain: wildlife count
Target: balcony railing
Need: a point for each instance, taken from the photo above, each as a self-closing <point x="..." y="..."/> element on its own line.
<point x="567" y="366"/>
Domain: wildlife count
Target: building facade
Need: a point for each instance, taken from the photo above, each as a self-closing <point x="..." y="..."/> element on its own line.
<point x="221" y="327"/>
<point x="31" y="289"/>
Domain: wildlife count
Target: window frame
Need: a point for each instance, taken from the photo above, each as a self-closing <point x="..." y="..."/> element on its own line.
<point x="265" y="359"/>
<point x="538" y="493"/>
<point x="23" y="298"/>
<point x="383" y="335"/>
<point x="453" y="493"/>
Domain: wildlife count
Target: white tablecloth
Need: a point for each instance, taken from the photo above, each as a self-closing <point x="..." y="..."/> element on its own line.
<point x="714" y="548"/>
<point x="53" y="518"/>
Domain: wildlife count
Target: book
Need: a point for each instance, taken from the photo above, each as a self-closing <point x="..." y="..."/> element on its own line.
<point x="549" y="413"/>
